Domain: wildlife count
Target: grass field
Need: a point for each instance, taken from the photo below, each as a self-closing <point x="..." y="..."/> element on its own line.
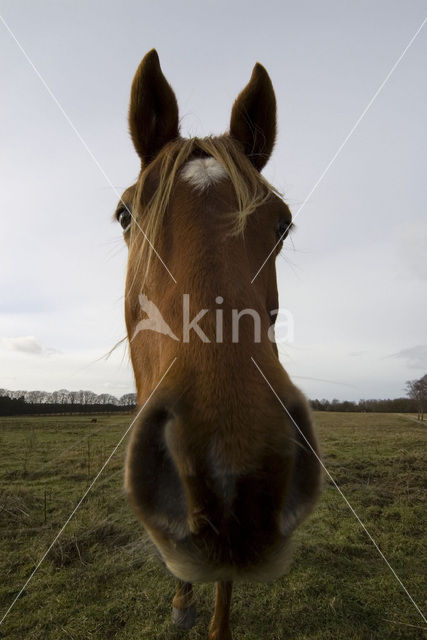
<point x="102" y="580"/>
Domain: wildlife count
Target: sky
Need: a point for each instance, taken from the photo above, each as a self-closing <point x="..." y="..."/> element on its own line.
<point x="354" y="276"/>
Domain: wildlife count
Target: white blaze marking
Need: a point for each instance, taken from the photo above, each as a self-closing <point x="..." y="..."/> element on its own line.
<point x="202" y="172"/>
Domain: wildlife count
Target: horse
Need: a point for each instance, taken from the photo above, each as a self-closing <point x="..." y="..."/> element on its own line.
<point x="219" y="471"/>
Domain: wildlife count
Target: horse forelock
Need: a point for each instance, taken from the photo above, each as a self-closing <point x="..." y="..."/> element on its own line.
<point x="201" y="163"/>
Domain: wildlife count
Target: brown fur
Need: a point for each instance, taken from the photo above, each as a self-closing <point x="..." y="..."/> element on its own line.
<point x="149" y="199"/>
<point x="216" y="470"/>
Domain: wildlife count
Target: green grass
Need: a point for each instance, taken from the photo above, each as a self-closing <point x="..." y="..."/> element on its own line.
<point x="102" y="579"/>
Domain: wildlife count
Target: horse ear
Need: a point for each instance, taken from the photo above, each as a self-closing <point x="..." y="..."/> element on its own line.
<point x="153" y="109"/>
<point x="253" y="118"/>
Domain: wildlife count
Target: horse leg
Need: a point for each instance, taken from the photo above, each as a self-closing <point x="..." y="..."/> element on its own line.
<point x="220" y="624"/>
<point x="183" y="606"/>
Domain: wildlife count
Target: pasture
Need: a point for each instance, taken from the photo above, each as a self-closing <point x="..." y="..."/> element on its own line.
<point x="103" y="580"/>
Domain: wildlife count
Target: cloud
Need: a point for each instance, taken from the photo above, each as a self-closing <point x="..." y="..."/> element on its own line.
<point x="416" y="357"/>
<point x="72" y="369"/>
<point x="333" y="382"/>
<point x="411" y="242"/>
<point x="25" y="344"/>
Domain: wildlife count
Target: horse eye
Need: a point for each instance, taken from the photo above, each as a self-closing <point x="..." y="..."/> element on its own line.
<point x="283" y="228"/>
<point x="125" y="218"/>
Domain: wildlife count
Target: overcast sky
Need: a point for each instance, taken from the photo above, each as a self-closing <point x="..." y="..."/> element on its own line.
<point x="355" y="277"/>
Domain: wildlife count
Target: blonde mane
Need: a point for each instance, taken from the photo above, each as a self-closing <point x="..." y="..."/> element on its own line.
<point x="250" y="187"/>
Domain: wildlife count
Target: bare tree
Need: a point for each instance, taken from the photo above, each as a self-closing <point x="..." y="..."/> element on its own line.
<point x="128" y="400"/>
<point x="417" y="390"/>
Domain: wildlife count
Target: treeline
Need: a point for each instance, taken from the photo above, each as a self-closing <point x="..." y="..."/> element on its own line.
<point x="18" y="406"/>
<point x="395" y="405"/>
<point x="63" y="396"/>
<point x="63" y="401"/>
